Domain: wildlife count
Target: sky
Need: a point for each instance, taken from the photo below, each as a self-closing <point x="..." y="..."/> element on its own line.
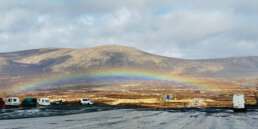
<point x="176" y="28"/>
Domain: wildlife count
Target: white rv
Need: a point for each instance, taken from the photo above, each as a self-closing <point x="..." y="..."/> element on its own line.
<point x="86" y="101"/>
<point x="43" y="101"/>
<point x="239" y="101"/>
<point x="12" y="101"/>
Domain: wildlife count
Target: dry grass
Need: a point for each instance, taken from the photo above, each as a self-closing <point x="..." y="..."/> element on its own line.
<point x="182" y="98"/>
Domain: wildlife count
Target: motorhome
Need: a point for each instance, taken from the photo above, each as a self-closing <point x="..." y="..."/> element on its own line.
<point x="239" y="102"/>
<point x="12" y="102"/>
<point x="86" y="101"/>
<point x="43" y="101"/>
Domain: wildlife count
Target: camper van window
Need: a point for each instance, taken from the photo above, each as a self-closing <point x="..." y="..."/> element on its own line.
<point x="9" y="100"/>
<point x="14" y="100"/>
<point x="46" y="101"/>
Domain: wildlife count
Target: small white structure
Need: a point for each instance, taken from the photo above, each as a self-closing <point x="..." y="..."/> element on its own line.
<point x="197" y="103"/>
<point x="239" y="101"/>
<point x="86" y="101"/>
<point x="43" y="101"/>
<point x="167" y="98"/>
<point x="12" y="101"/>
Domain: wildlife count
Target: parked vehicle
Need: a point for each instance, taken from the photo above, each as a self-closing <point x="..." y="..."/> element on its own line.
<point x="2" y="103"/>
<point x="86" y="101"/>
<point x="58" y="102"/>
<point x="12" y="102"/>
<point x="29" y="102"/>
<point x="239" y="102"/>
<point x="43" y="102"/>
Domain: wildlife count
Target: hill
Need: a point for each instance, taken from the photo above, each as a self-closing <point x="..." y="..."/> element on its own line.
<point x="113" y="64"/>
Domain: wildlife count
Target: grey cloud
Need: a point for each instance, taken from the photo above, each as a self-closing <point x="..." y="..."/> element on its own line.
<point x="199" y="29"/>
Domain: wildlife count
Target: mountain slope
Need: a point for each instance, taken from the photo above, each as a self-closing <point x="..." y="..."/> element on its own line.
<point x="58" y="60"/>
<point x="60" y="67"/>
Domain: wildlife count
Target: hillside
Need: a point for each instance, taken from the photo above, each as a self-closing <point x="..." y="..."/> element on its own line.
<point x="58" y="60"/>
<point x="113" y="62"/>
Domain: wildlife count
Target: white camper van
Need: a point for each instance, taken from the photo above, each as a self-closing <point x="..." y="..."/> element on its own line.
<point x="43" y="101"/>
<point x="239" y="102"/>
<point x="12" y="101"/>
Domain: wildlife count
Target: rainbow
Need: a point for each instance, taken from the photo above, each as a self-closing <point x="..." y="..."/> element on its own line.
<point x="126" y="73"/>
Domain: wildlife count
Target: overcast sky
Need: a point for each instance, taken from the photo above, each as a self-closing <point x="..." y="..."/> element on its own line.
<point x="176" y="28"/>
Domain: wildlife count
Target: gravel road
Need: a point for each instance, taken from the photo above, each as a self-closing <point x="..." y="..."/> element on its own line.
<point x="136" y="119"/>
